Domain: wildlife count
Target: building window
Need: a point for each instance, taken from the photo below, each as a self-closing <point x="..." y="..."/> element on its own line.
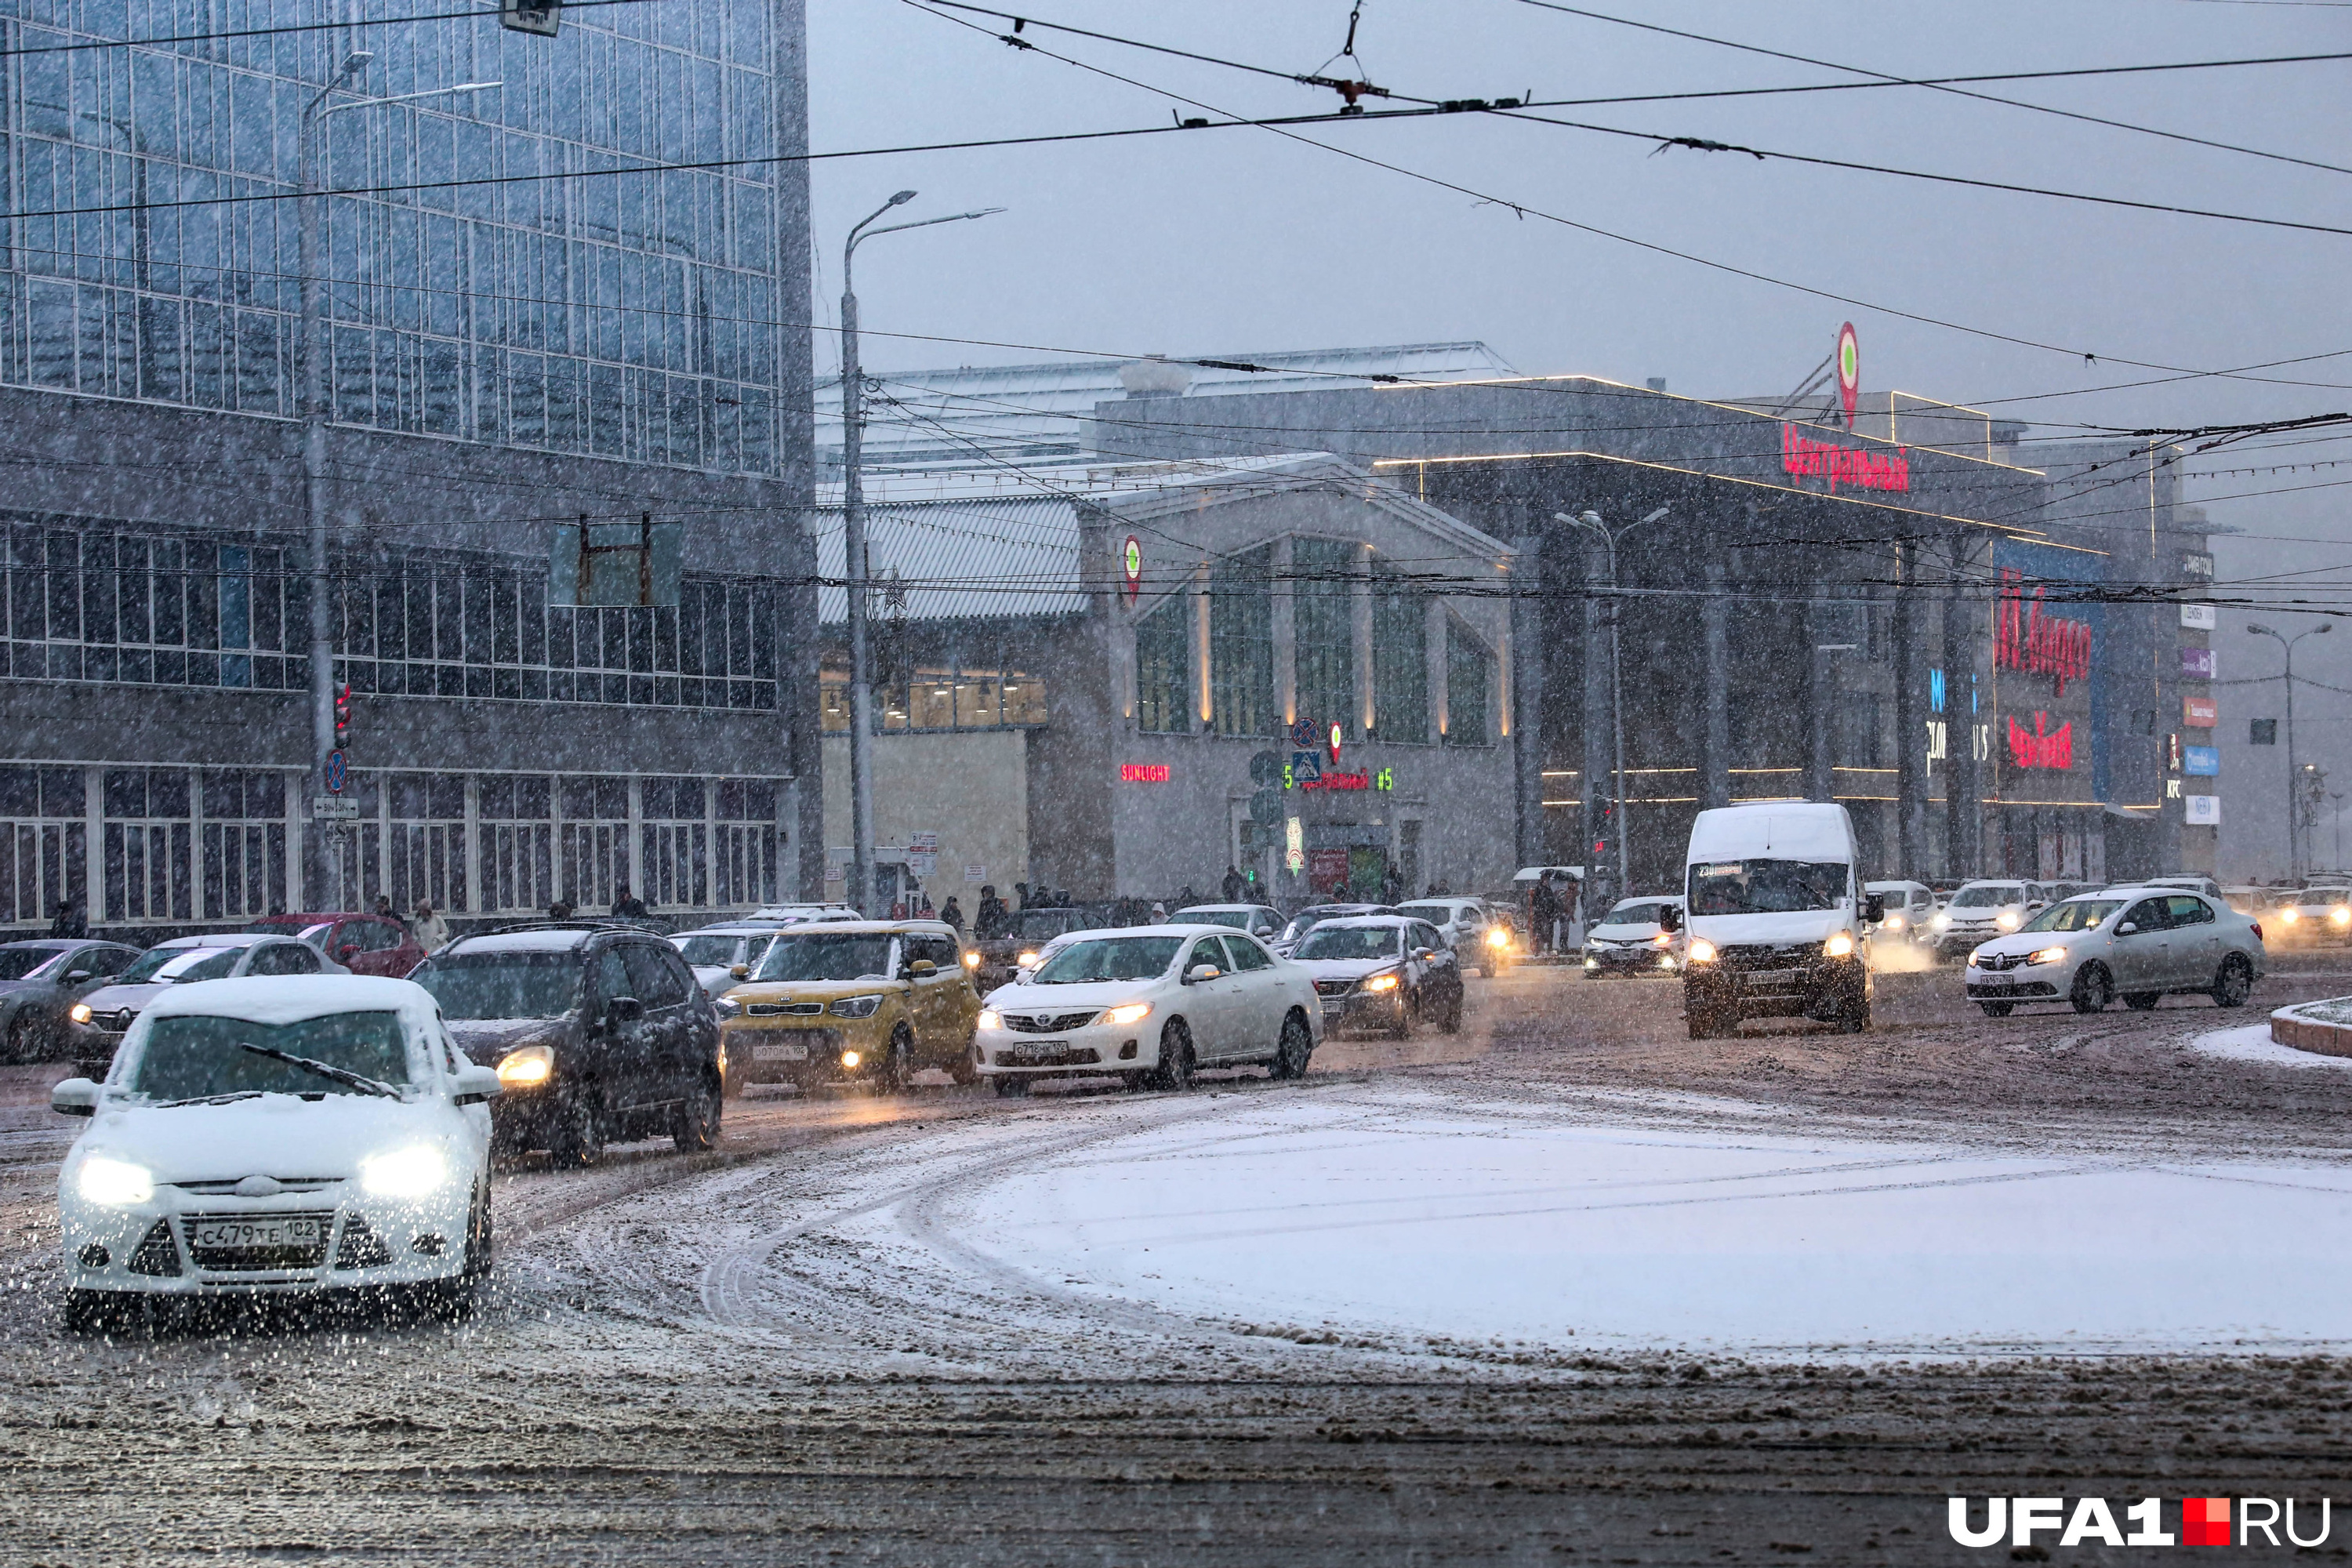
<point x="1399" y="658"/>
<point x="676" y="851"/>
<point x="43" y="842"/>
<point x="515" y="844"/>
<point x="1163" y="667"/>
<point x="148" y="868"/>
<point x="425" y="856"/>
<point x="592" y="857"/>
<point x="1469" y="674"/>
<point x="1857" y="730"/>
<point x="975" y="688"/>
<point x="244" y="838"/>
<point x="1241" y="643"/>
<point x="1323" y="631"/>
<point x="747" y="859"/>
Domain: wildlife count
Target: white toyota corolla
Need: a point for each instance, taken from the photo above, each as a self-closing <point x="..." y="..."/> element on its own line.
<point x="275" y="1136"/>
<point x="1149" y="1003"/>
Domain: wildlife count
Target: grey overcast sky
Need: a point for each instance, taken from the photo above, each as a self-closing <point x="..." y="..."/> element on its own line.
<point x="1241" y="239"/>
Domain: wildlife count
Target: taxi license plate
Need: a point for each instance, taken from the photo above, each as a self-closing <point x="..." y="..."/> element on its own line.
<point x="1998" y="988"/>
<point x="1037" y="1052"/>
<point x="780" y="1053"/>
<point x="229" y="1234"/>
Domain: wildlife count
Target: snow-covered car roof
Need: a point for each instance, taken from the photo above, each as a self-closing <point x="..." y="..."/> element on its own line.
<point x="559" y="940"/>
<point x="729" y="928"/>
<point x="58" y="943"/>
<point x="228" y="939"/>
<point x="1365" y="922"/>
<point x="288" y="999"/>
<point x="1211" y="908"/>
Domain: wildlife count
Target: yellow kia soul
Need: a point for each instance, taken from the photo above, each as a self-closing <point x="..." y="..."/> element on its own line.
<point x="862" y="1000"/>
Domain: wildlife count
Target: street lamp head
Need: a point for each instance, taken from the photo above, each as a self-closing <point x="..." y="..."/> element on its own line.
<point x="1589" y="519"/>
<point x="354" y="63"/>
<point x="1659" y="513"/>
<point x="901" y="199"/>
<point x="2254" y="630"/>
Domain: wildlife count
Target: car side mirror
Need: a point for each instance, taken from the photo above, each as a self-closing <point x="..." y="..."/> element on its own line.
<point x="1670" y="919"/>
<point x="349" y="951"/>
<point x="2127" y="928"/>
<point x="78" y="974"/>
<point x="623" y="1010"/>
<point x="1200" y="972"/>
<point x="1426" y="953"/>
<point x="474" y="1084"/>
<point x="922" y="969"/>
<point x="74" y="1097"/>
<point x="739" y="971"/>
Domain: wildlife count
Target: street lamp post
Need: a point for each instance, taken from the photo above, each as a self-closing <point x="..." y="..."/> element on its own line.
<point x="852" y="539"/>
<point x="1591" y="523"/>
<point x="314" y="387"/>
<point x="2293" y="869"/>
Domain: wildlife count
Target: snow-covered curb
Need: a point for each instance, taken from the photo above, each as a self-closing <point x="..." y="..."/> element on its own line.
<point x="2259" y="1043"/>
<point x="2300" y="1028"/>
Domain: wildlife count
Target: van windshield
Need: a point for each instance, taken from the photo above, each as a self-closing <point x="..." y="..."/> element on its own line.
<point x="1766" y="887"/>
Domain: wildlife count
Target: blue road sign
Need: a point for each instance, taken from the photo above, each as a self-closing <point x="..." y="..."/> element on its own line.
<point x="338" y="772"/>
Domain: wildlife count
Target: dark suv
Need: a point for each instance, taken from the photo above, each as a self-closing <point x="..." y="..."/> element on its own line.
<point x="599" y="1033"/>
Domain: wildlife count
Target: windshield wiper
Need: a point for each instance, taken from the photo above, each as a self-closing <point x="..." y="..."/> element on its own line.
<point x="339" y="1075"/>
<point x="212" y="1099"/>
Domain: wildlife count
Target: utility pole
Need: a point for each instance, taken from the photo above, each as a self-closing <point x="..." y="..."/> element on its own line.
<point x="310" y="253"/>
<point x="853" y="539"/>
<point x="1609" y="605"/>
<point x="2294" y="863"/>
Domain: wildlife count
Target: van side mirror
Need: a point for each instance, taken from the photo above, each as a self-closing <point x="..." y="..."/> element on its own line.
<point x="74" y="1097"/>
<point x="1873" y="908"/>
<point x="1670" y="918"/>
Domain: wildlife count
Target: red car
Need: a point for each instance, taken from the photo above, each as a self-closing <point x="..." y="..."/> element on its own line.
<point x="365" y="944"/>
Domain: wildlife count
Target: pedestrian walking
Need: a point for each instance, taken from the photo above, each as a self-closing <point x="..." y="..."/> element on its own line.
<point x="1544" y="912"/>
<point x="71" y="922"/>
<point x="953" y="914"/>
<point x="992" y="913"/>
<point x="431" y="932"/>
<point x="1235" y="885"/>
<point x="628" y="906"/>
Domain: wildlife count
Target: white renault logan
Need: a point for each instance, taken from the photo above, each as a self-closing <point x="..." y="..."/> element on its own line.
<point x="1149" y="1003"/>
<point x="278" y="1136"/>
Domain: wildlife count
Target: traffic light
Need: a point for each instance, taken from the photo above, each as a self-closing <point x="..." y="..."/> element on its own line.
<point x="531" y="15"/>
<point x="342" y="716"/>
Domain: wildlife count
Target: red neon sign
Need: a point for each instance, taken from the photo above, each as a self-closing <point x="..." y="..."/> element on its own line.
<point x="1853" y="466"/>
<point x="1143" y="772"/>
<point x="2024" y="639"/>
<point x="2045" y="748"/>
<point x="1360" y="779"/>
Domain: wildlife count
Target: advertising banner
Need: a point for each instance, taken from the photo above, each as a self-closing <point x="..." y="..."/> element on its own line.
<point x="2198" y="617"/>
<point x="2200" y="712"/>
<point x="2196" y="664"/>
<point x="2203" y="810"/>
<point x="2201" y="761"/>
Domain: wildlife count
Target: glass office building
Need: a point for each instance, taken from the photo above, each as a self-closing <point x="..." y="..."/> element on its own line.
<point x="517" y="325"/>
<point x="625" y="315"/>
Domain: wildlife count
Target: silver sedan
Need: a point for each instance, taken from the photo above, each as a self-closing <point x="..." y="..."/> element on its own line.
<point x="2138" y="944"/>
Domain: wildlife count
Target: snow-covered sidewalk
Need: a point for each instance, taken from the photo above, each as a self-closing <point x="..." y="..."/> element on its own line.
<point x="1409" y="1213"/>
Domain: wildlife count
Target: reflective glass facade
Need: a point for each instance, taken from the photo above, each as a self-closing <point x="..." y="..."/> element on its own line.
<point x="625" y="315"/>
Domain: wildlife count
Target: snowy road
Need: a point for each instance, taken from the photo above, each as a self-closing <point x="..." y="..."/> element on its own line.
<point x="1563" y="1287"/>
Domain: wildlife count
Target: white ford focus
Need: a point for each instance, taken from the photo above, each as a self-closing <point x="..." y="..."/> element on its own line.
<point x="277" y="1136"/>
<point x="1149" y="1003"/>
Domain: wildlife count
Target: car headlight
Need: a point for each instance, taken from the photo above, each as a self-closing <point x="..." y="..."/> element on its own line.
<point x="1701" y="950"/>
<point x="1941" y="923"/>
<point x="1590" y="962"/>
<point x="1498" y="936"/>
<point x="411" y="1173"/>
<point x="1840" y="945"/>
<point x="856" y="1006"/>
<point x="726" y="1006"/>
<point x="1975" y="957"/>
<point x="1132" y="1012"/>
<point x="2049" y="956"/>
<point x="1381" y="983"/>
<point x="1661" y="940"/>
<point x="2340" y="915"/>
<point x="850" y="1058"/>
<point x="991" y="1019"/>
<point x="78" y="1012"/>
<point x="1026" y="961"/>
<point x="2007" y="920"/>
<point x="2290" y="915"/>
<point x="117" y="1183"/>
<point x="971" y="958"/>
<point x="527" y="1066"/>
<point x="1894" y="922"/>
